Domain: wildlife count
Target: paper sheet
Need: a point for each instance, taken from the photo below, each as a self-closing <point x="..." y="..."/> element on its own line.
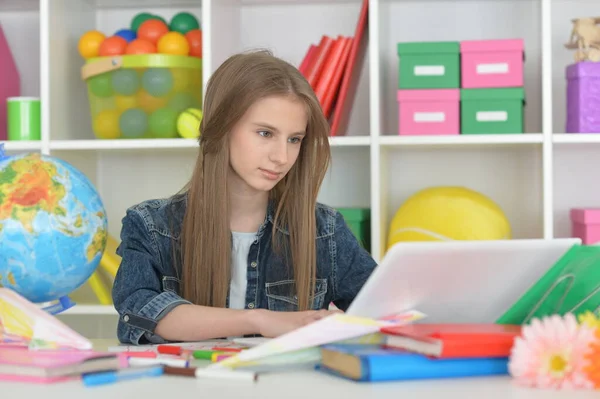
<point x="335" y="328"/>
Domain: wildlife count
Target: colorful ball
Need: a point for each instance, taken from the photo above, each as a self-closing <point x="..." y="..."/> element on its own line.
<point x="140" y="46"/>
<point x="127" y="34"/>
<point x="106" y="124"/>
<point x="182" y="78"/>
<point x="194" y="38"/>
<point x="188" y="123"/>
<point x="140" y="19"/>
<point x="157" y="81"/>
<point x="101" y="85"/>
<point x="448" y="213"/>
<point x="125" y="82"/>
<point x="114" y="45"/>
<point x="182" y="101"/>
<point x="125" y="102"/>
<point x="133" y="123"/>
<point x="163" y="123"/>
<point x="183" y="22"/>
<point x="152" y="30"/>
<point x="173" y="43"/>
<point x="89" y="44"/>
<point x="150" y="103"/>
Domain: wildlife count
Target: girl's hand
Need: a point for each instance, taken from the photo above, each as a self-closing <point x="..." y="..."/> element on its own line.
<point x="271" y="324"/>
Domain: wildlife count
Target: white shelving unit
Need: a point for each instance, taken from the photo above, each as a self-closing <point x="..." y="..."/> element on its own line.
<point x="535" y="177"/>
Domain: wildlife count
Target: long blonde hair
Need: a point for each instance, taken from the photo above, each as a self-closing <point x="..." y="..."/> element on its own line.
<point x="206" y="237"/>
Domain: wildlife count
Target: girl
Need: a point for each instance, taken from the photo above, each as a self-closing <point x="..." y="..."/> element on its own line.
<point x="245" y="248"/>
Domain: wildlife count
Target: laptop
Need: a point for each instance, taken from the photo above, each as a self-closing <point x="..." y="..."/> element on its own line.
<point x="457" y="281"/>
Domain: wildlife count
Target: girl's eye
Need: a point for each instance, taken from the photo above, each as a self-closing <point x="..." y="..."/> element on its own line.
<point x="264" y="133"/>
<point x="295" y="140"/>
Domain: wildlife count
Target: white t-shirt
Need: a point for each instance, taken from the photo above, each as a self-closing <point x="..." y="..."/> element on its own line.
<point x="239" y="266"/>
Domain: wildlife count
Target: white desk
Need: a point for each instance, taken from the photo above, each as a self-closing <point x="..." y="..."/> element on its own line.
<point x="309" y="385"/>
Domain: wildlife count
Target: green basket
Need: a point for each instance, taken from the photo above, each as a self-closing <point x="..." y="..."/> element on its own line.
<point x="359" y="222"/>
<point x="141" y="96"/>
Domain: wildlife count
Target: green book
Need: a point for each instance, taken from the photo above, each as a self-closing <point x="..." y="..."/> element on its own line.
<point x="572" y="285"/>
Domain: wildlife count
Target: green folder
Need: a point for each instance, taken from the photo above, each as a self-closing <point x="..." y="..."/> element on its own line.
<point x="572" y="285"/>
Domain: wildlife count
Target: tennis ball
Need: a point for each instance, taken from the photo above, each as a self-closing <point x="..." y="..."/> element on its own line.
<point x="188" y="123"/>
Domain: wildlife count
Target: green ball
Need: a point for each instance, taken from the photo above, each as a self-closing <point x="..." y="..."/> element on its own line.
<point x="125" y="82"/>
<point x="163" y="123"/>
<point x="160" y="19"/>
<point x="183" y="22"/>
<point x="101" y="85"/>
<point x="182" y="101"/>
<point x="133" y="123"/>
<point x="140" y="19"/>
<point x="157" y="81"/>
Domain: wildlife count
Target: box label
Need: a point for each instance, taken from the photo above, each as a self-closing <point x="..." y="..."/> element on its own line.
<point x="489" y="69"/>
<point x="491" y="116"/>
<point x="425" y="117"/>
<point x="429" y="70"/>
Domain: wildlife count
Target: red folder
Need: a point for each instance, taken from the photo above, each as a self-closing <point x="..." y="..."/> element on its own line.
<point x="453" y="340"/>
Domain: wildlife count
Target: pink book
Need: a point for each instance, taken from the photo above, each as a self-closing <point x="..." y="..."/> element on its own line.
<point x="46" y="366"/>
<point x="10" y="81"/>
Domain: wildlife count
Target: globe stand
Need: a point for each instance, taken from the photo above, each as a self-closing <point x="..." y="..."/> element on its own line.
<point x="63" y="303"/>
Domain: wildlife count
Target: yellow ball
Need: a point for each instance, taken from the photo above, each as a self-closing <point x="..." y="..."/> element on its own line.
<point x="173" y="43"/>
<point x="89" y="44"/>
<point x="106" y="124"/>
<point x="188" y="123"/>
<point x="448" y="213"/>
<point x="125" y="102"/>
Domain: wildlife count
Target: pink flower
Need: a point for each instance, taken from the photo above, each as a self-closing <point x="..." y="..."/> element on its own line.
<point x="551" y="353"/>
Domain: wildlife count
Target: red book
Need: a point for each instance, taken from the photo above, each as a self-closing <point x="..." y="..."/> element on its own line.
<point x="313" y="72"/>
<point x="453" y="340"/>
<point x="308" y="58"/>
<point x="341" y="114"/>
<point x="333" y="59"/>
<point x="334" y="86"/>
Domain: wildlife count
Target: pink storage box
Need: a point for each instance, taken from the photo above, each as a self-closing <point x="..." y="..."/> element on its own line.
<point x="428" y="112"/>
<point x="492" y="63"/>
<point x="585" y="224"/>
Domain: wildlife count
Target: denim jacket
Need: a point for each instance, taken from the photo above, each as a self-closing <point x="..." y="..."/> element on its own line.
<point x="147" y="285"/>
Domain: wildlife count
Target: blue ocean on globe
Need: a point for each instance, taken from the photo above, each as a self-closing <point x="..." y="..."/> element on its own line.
<point x="53" y="227"/>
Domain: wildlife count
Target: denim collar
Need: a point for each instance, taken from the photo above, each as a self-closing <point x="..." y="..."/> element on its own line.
<point x="269" y="217"/>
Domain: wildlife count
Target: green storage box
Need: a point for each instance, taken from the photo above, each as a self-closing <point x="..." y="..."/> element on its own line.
<point x="359" y="221"/>
<point x="429" y="65"/>
<point x="492" y="111"/>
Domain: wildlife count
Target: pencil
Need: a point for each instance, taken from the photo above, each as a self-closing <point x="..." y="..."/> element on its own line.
<point x="181" y="371"/>
<point x="197" y="372"/>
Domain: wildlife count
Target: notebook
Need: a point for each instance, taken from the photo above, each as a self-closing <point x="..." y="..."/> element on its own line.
<point x="453" y="340"/>
<point x="51" y="365"/>
<point x="371" y="363"/>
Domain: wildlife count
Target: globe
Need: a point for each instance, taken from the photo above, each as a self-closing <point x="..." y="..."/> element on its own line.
<point x="53" y="227"/>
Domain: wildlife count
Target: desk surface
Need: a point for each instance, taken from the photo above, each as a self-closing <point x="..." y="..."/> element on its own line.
<point x="306" y="384"/>
<point x="290" y="384"/>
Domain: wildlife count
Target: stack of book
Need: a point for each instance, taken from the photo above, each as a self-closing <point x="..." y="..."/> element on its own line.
<point x="332" y="67"/>
<point x="424" y="351"/>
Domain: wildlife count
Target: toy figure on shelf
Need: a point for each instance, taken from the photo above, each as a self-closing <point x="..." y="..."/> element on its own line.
<point x="585" y="38"/>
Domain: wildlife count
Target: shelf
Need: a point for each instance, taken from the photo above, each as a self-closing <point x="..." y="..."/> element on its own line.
<point x="22" y="145"/>
<point x="460" y="140"/>
<point x="576" y="138"/>
<point x="155" y="144"/>
<point x="144" y="4"/>
<point x="19" y="5"/>
<point x="77" y="310"/>
<point x="164" y="144"/>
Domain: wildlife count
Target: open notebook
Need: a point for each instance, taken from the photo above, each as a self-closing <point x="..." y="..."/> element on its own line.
<point x="22" y="323"/>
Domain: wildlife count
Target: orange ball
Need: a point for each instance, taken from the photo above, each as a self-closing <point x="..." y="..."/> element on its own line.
<point x="114" y="45"/>
<point x="173" y="43"/>
<point x="140" y="46"/>
<point x="152" y="30"/>
<point x="194" y="38"/>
